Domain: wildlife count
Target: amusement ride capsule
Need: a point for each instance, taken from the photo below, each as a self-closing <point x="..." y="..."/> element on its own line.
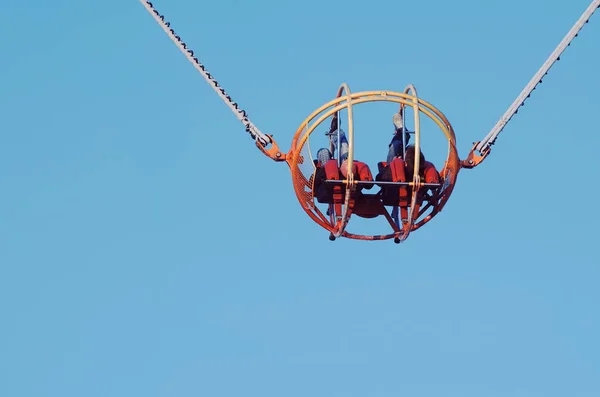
<point x="411" y="190"/>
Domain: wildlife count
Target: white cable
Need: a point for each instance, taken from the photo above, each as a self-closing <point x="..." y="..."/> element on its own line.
<point x="240" y="113"/>
<point x="537" y="79"/>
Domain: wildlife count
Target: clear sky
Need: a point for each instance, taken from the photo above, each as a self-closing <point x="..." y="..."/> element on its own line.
<point x="147" y="248"/>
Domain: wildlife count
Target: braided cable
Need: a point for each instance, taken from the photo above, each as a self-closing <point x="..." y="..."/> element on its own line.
<point x="241" y="114"/>
<point x="490" y="139"/>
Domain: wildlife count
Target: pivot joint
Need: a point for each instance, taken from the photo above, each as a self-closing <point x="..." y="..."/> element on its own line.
<point x="473" y="159"/>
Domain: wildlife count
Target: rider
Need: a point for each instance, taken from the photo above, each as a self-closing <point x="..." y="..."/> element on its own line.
<point x="324" y="155"/>
<point x="396" y="148"/>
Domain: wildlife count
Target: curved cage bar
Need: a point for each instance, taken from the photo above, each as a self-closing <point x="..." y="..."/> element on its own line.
<point x="350" y="187"/>
<point x="408" y="226"/>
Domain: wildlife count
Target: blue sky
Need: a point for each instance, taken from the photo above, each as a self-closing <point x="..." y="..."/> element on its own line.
<point x="148" y="248"/>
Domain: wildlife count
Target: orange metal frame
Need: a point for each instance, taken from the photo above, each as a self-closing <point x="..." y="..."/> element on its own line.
<point x="300" y="161"/>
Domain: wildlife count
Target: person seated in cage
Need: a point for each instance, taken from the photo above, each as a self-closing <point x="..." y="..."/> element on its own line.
<point x="396" y="150"/>
<point x="427" y="170"/>
<point x="327" y="167"/>
<point x="402" y="170"/>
